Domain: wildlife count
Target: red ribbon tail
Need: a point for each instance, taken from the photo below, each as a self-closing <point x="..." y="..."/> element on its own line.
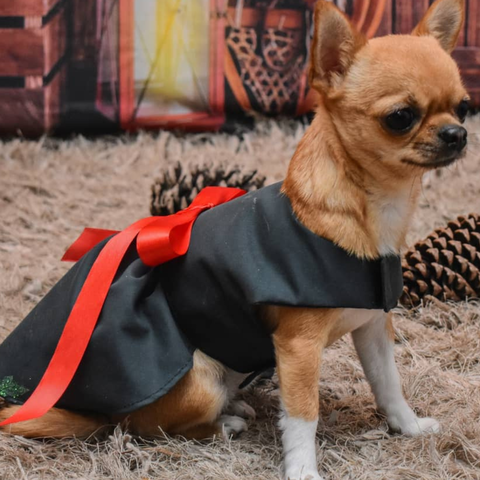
<point x="78" y="328"/>
<point x="85" y="242"/>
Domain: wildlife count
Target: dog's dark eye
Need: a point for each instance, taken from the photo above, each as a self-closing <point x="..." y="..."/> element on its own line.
<point x="400" y="121"/>
<point x="462" y="110"/>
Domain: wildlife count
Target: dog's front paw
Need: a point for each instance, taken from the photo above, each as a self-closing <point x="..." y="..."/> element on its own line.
<point x="232" y="425"/>
<point x="419" y="426"/>
<point x="302" y="474"/>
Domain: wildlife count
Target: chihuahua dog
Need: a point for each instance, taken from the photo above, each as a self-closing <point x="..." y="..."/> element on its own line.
<point x="390" y="110"/>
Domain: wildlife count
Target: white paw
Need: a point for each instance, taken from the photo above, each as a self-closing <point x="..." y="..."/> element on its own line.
<point x="232" y="426"/>
<point x="242" y="409"/>
<point x="302" y="474"/>
<point x="299" y="447"/>
<point x="420" y="426"/>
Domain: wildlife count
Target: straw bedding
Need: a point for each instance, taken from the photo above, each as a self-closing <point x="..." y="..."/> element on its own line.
<point x="50" y="190"/>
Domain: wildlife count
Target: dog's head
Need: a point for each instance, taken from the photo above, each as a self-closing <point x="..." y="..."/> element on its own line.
<point x="397" y="102"/>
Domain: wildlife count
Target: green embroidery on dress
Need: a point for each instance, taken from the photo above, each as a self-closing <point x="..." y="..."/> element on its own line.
<point x="9" y="388"/>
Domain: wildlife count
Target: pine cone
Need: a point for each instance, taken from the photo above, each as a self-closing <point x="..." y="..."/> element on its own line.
<point x="446" y="265"/>
<point x="178" y="185"/>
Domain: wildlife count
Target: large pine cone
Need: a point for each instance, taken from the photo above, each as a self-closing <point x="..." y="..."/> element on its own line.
<point x="446" y="265"/>
<point x="177" y="186"/>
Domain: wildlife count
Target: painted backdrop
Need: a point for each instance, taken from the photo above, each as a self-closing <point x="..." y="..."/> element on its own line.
<point x="106" y="65"/>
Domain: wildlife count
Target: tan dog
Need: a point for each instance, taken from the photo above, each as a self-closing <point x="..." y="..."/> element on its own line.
<point x="390" y="111"/>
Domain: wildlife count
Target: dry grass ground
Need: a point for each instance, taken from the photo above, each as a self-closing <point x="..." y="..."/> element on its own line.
<point x="50" y="190"/>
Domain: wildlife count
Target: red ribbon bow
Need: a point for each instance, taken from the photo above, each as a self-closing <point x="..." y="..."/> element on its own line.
<point x="159" y="239"/>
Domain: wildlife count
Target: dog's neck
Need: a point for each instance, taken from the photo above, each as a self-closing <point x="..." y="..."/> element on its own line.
<point x="336" y="198"/>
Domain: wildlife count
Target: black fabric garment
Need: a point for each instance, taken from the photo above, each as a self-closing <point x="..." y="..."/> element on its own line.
<point x="244" y="253"/>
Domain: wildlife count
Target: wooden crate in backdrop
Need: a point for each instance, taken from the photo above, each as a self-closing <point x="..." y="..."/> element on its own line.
<point x="382" y="17"/>
<point x="32" y="64"/>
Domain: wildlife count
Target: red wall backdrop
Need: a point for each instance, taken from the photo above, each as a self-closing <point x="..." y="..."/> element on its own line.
<point x="108" y="65"/>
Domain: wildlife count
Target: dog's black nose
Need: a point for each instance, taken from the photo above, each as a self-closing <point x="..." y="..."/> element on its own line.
<point x="454" y="136"/>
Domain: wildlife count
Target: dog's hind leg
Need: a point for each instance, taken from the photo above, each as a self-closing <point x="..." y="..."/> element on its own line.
<point x="234" y="406"/>
<point x="374" y="344"/>
<point x="193" y="407"/>
<point x="56" y="423"/>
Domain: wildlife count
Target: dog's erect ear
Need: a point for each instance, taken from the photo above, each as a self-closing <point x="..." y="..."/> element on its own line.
<point x="334" y="45"/>
<point x="443" y="21"/>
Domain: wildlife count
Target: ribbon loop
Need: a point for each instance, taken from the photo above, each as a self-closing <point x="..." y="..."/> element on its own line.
<point x="166" y="238"/>
<point x="159" y="239"/>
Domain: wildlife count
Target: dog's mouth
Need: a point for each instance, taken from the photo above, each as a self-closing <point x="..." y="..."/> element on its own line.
<point x="442" y="162"/>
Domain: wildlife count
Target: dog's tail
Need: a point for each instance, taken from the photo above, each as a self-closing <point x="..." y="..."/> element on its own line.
<point x="56" y="423"/>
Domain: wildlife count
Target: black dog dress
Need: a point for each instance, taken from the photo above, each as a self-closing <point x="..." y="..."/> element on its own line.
<point x="244" y="253"/>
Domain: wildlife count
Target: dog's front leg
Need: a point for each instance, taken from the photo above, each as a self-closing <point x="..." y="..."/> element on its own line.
<point x="299" y="340"/>
<point x="374" y="344"/>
